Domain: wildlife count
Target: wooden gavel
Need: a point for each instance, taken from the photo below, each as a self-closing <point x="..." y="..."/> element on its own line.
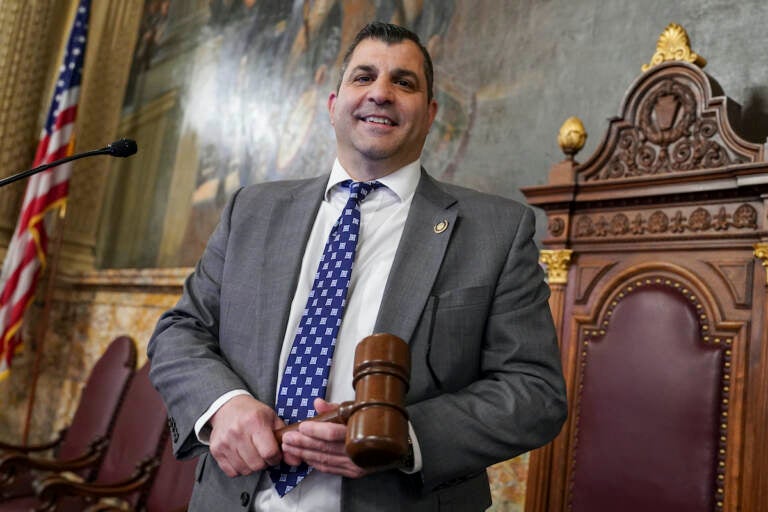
<point x="377" y="422"/>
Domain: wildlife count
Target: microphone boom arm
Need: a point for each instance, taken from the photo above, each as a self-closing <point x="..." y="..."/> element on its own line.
<point x="121" y="148"/>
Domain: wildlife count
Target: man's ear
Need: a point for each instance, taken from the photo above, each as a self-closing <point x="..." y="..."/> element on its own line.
<point x="432" y="111"/>
<point x="331" y="105"/>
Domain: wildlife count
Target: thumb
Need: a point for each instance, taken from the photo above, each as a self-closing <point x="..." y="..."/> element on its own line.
<point x="322" y="407"/>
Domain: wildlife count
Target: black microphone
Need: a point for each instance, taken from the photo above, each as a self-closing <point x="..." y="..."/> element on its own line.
<point x="120" y="148"/>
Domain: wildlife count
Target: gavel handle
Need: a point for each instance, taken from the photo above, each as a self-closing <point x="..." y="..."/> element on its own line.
<point x="340" y="415"/>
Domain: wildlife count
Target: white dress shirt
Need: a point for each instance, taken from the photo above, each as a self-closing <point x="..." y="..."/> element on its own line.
<point x="382" y="218"/>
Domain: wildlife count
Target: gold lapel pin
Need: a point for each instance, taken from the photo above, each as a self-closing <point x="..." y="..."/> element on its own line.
<point x="441" y="226"/>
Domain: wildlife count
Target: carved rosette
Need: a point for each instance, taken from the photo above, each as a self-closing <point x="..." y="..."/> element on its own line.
<point x="556" y="226"/>
<point x="712" y="220"/>
<point x="557" y="262"/>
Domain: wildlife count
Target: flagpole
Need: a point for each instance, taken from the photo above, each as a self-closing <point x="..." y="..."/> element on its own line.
<point x="42" y="326"/>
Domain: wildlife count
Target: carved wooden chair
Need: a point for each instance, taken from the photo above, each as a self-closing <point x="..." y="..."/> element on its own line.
<point x="129" y="462"/>
<point x="170" y="490"/>
<point x="653" y="251"/>
<point x="79" y="447"/>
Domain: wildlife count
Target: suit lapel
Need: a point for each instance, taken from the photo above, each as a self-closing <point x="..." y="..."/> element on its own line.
<point x="292" y="217"/>
<point x="427" y="231"/>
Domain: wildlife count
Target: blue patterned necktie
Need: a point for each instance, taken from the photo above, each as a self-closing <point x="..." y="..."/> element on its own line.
<point x="306" y="372"/>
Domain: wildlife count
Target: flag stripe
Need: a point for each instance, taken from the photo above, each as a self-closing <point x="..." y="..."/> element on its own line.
<point x="25" y="257"/>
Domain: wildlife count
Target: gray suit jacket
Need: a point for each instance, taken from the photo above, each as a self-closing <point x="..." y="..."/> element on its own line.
<point x="486" y="382"/>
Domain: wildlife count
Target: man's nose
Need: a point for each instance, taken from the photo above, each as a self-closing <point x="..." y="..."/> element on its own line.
<point x="380" y="92"/>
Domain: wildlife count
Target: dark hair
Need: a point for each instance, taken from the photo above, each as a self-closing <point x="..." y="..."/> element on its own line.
<point x="389" y="33"/>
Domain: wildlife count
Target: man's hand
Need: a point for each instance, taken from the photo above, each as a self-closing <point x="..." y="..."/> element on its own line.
<point x="242" y="439"/>
<point x="321" y="445"/>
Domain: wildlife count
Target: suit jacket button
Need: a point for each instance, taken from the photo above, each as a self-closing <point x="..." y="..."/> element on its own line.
<point x="244" y="499"/>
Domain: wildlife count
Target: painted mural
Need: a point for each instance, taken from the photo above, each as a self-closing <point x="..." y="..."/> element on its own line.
<point x="256" y="94"/>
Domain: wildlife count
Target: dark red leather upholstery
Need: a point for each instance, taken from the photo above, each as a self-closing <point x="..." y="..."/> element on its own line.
<point x="648" y="410"/>
<point x="139" y="429"/>
<point x="100" y="398"/>
<point x="172" y="485"/>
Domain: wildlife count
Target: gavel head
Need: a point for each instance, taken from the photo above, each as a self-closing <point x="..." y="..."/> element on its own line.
<point x="377" y="429"/>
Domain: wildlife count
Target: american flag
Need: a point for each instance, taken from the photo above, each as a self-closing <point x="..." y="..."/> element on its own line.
<point x="26" y="255"/>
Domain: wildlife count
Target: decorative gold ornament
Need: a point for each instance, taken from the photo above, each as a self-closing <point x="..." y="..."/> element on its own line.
<point x="761" y="253"/>
<point x="674" y="44"/>
<point x="441" y="226"/>
<point x="557" y="261"/>
<point x="571" y="136"/>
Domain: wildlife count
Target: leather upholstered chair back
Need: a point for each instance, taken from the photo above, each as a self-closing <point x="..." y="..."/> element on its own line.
<point x="647" y="406"/>
<point x="172" y="484"/>
<point x="100" y="398"/>
<point x="140" y="429"/>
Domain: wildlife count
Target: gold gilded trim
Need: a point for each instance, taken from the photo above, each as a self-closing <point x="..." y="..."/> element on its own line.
<point x="674" y="44"/>
<point x="557" y="261"/>
<point x="571" y="137"/>
<point x="761" y="253"/>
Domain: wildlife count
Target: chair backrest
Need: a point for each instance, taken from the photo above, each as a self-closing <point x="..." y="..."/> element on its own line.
<point x="648" y="405"/>
<point x="173" y="482"/>
<point x="138" y="433"/>
<point x="100" y="397"/>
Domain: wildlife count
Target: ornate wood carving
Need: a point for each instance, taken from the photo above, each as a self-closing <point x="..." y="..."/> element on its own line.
<point x="761" y="253"/>
<point x="739" y="276"/>
<point x="674" y="44"/>
<point x="668" y="133"/>
<point x="587" y="276"/>
<point x="671" y="188"/>
<point x="668" y="222"/>
<point x="557" y="263"/>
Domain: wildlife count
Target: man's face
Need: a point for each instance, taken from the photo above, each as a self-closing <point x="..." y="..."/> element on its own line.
<point x="381" y="114"/>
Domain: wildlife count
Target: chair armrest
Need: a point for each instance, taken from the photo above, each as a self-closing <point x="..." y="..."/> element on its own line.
<point x="110" y="504"/>
<point x="12" y="463"/>
<point x="51" y="488"/>
<point x="118" y="505"/>
<point x="9" y="447"/>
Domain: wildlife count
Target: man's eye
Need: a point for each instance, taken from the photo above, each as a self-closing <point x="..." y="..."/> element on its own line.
<point x="404" y="83"/>
<point x="363" y="78"/>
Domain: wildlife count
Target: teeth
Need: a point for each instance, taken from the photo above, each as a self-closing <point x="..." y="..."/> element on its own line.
<point x="379" y="120"/>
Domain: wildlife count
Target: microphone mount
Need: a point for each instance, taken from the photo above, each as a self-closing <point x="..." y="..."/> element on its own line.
<point x="120" y="148"/>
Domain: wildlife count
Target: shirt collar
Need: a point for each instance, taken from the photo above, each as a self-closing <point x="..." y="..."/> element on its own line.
<point x="402" y="182"/>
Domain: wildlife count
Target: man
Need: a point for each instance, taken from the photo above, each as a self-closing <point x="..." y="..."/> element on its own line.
<point x="451" y="271"/>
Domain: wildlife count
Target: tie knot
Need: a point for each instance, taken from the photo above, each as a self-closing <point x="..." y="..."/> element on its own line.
<point x="358" y="190"/>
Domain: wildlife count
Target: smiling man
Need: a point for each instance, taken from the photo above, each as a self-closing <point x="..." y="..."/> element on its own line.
<point x="298" y="272"/>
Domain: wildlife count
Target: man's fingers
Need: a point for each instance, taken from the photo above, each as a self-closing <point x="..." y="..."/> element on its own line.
<point x="242" y="439"/>
<point x="266" y="446"/>
<point x="327" y="462"/>
<point x="325" y="453"/>
<point x="229" y="460"/>
<point x="331" y="432"/>
<point x="322" y="407"/>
